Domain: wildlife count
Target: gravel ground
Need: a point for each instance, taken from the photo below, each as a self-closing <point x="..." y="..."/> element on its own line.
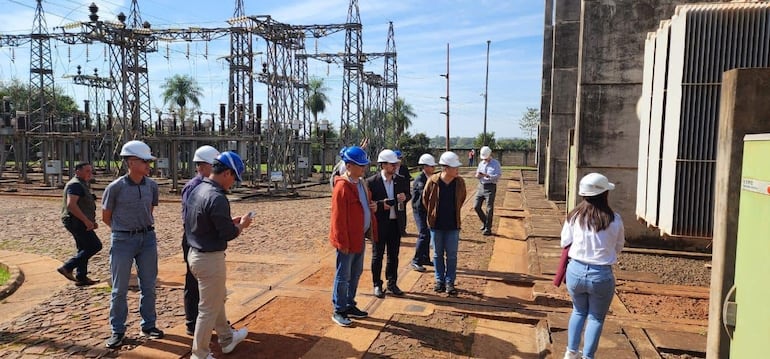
<point x="672" y="270"/>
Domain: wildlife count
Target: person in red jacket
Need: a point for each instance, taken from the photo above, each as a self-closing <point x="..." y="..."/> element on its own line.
<point x="352" y="220"/>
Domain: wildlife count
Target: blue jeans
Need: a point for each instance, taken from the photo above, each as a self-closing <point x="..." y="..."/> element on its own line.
<point x="591" y="288"/>
<point x="445" y="243"/>
<point x="422" y="247"/>
<point x="349" y="269"/>
<point x="127" y="249"/>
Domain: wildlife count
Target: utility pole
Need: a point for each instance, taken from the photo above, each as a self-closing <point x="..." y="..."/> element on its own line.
<point x="447" y="96"/>
<point x="486" y="95"/>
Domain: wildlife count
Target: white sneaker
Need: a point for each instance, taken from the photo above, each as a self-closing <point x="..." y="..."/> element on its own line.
<point x="238" y="336"/>
<point x="571" y="355"/>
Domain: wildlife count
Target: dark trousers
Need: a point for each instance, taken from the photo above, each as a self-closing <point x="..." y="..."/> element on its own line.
<point x="191" y="295"/>
<point x="390" y="238"/>
<point x="486" y="192"/>
<point x="87" y="244"/>
<point x="422" y="247"/>
<point x="401" y="215"/>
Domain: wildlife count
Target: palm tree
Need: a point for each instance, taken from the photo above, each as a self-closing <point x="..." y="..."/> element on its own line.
<point x="179" y="89"/>
<point x="402" y="116"/>
<point x="316" y="99"/>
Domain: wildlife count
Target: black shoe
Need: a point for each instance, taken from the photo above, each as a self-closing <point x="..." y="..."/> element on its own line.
<point x="354" y="312"/>
<point x="395" y="290"/>
<point x="483" y="228"/>
<point x="152" y="333"/>
<point x="417" y="267"/>
<point x="115" y="341"/>
<point x="487" y="233"/>
<point x="190" y="332"/>
<point x="426" y="262"/>
<point x="450" y="289"/>
<point x="66" y="273"/>
<point x="439" y="287"/>
<point x="378" y="292"/>
<point x="85" y="282"/>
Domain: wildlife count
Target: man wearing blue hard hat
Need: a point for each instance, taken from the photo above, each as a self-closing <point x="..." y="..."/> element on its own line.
<point x="352" y="220"/>
<point x="208" y="226"/>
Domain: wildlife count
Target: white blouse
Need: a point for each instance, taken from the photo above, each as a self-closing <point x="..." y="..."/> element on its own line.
<point x="590" y="247"/>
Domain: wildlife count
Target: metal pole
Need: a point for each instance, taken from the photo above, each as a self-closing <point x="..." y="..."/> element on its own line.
<point x="447" y="96"/>
<point x="486" y="95"/>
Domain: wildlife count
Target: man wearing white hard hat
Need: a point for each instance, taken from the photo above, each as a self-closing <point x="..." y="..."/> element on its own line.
<point x="204" y="157"/>
<point x="422" y="246"/>
<point x="127" y="208"/>
<point x="390" y="192"/>
<point x="443" y="199"/>
<point x="488" y="172"/>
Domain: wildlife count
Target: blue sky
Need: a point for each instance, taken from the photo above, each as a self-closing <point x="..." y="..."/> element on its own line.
<point x="422" y="31"/>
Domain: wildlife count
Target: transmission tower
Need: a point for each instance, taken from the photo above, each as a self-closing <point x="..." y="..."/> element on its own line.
<point x="241" y="83"/>
<point x="351" y="79"/>
<point x="41" y="85"/>
<point x="391" y="80"/>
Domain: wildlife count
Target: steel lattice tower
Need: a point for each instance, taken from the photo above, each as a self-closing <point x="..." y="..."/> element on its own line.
<point x="241" y="83"/>
<point x="41" y="73"/>
<point x="353" y="65"/>
<point x="391" y="79"/>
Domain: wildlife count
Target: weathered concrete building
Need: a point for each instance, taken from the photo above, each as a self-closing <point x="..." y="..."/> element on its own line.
<point x="596" y="78"/>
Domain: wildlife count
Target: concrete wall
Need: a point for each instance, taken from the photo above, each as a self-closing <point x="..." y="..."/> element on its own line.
<point x="545" y="92"/>
<point x="566" y="31"/>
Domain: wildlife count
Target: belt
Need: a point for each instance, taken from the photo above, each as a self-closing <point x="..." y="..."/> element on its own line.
<point x="137" y="231"/>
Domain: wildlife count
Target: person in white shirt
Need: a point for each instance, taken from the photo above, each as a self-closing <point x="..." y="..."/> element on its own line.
<point x="596" y="236"/>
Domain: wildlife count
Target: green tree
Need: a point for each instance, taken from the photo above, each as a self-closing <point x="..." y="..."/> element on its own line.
<point x="20" y="95"/>
<point x="413" y="147"/>
<point x="316" y="99"/>
<point x="178" y="90"/>
<point x="491" y="142"/>
<point x="529" y="123"/>
<point x="401" y="117"/>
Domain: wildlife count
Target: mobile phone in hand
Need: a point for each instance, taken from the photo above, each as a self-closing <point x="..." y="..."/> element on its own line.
<point x="251" y="214"/>
<point x="390" y="202"/>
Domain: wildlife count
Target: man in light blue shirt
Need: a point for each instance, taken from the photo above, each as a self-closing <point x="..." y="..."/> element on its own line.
<point x="488" y="172"/>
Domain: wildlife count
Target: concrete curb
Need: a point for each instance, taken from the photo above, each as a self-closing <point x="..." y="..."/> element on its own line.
<point x="14" y="281"/>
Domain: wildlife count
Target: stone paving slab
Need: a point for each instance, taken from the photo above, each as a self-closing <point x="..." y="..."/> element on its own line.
<point x="41" y="282"/>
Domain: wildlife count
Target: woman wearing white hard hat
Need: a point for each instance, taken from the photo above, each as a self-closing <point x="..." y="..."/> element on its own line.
<point x="443" y="199"/>
<point x="596" y="236"/>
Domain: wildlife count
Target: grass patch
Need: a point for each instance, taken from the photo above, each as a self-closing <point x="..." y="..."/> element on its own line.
<point x="4" y="275"/>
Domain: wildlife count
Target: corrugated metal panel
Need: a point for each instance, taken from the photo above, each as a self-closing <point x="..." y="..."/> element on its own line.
<point x="679" y="108"/>
<point x="705" y="41"/>
<point x="643" y="113"/>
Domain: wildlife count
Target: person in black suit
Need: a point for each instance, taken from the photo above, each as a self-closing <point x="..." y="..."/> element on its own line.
<point x="390" y="192"/>
<point x="402" y="170"/>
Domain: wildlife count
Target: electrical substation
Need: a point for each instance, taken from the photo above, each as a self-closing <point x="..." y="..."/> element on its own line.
<point x="278" y="135"/>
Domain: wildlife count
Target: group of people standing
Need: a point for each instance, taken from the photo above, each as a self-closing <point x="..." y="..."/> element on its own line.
<point x="362" y="208"/>
<point x="127" y="208"/>
<point x="375" y="208"/>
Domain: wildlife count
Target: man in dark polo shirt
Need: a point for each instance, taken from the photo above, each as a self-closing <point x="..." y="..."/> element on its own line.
<point x="79" y="217"/>
<point x="208" y="226"/>
<point x="127" y="207"/>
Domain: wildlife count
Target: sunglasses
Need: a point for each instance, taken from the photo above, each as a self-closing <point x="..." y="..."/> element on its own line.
<point x="143" y="160"/>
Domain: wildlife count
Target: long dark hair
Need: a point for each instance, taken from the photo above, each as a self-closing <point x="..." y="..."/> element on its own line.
<point x="593" y="212"/>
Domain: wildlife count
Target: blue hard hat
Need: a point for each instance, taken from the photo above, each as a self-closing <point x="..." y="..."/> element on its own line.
<point x="232" y="161"/>
<point x="354" y="154"/>
<point x="398" y="153"/>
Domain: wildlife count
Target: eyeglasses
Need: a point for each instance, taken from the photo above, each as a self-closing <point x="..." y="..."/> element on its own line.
<point x="141" y="159"/>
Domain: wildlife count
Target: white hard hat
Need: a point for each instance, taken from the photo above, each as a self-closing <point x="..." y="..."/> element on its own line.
<point x="137" y="149"/>
<point x="427" y="160"/>
<point x="594" y="184"/>
<point x="485" y="152"/>
<point x="387" y="156"/>
<point x="205" y="154"/>
<point x="450" y="159"/>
